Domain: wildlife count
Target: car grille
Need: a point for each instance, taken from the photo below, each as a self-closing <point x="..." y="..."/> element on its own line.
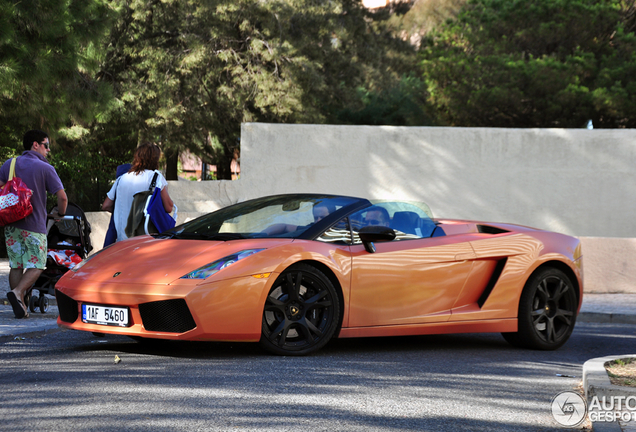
<point x="67" y="307"/>
<point x="171" y="316"/>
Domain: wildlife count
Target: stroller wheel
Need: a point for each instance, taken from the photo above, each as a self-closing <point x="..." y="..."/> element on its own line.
<point x="44" y="303"/>
<point x="32" y="302"/>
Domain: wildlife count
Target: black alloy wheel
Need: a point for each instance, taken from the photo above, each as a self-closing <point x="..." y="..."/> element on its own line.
<point x="547" y="311"/>
<point x="301" y="313"/>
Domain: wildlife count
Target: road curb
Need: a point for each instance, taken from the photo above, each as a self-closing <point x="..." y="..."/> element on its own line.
<point x="596" y="382"/>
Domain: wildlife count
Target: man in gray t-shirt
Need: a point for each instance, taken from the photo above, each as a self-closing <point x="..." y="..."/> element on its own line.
<point x="26" y="239"/>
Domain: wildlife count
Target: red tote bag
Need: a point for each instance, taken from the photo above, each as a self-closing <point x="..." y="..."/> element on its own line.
<point x="15" y="199"/>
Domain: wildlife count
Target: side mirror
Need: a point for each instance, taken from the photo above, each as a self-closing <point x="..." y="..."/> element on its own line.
<point x="372" y="234"/>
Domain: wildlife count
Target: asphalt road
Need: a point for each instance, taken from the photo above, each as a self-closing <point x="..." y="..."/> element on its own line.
<point x="69" y="381"/>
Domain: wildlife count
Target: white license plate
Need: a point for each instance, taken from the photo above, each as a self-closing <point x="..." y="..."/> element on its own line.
<point x="105" y="315"/>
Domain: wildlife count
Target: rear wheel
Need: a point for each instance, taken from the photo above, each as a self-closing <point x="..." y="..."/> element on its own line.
<point x="301" y="312"/>
<point x="547" y="311"/>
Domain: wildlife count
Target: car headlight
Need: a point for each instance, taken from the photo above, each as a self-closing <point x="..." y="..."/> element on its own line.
<point x="209" y="269"/>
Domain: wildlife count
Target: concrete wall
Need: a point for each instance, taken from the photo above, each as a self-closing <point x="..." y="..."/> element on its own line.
<point x="608" y="264"/>
<point x="576" y="181"/>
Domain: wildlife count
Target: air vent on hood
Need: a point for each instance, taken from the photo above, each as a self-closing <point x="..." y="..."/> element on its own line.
<point x="486" y="229"/>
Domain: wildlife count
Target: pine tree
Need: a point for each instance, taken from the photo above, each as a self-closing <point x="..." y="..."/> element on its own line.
<point x="48" y="56"/>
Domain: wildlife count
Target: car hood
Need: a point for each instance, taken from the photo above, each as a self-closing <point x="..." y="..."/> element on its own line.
<point x="158" y="261"/>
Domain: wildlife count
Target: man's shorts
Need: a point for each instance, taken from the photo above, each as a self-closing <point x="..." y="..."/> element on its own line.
<point x="25" y="249"/>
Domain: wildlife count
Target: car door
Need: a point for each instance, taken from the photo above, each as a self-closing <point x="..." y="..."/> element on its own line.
<point x="407" y="282"/>
<point x="410" y="280"/>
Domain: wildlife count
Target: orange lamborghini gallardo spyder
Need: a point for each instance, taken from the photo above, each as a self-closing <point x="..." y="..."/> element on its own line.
<point x="294" y="271"/>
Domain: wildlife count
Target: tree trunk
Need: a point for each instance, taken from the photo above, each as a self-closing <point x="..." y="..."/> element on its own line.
<point x="223" y="162"/>
<point x="172" y="161"/>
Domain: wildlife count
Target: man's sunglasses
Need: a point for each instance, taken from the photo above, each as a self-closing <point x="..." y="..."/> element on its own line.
<point x="46" y="145"/>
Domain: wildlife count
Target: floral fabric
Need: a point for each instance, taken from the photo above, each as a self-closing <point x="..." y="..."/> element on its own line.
<point x="25" y="249"/>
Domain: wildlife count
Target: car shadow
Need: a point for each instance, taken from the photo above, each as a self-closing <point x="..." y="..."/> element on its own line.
<point x="344" y="347"/>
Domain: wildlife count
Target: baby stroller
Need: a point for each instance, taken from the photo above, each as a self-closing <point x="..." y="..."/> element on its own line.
<point x="69" y="242"/>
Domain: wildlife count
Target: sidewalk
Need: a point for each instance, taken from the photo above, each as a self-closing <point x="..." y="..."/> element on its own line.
<point x="37" y="324"/>
<point x="608" y="308"/>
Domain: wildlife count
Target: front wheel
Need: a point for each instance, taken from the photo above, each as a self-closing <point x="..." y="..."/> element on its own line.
<point x="32" y="301"/>
<point x="547" y="311"/>
<point x="302" y="312"/>
<point x="43" y="303"/>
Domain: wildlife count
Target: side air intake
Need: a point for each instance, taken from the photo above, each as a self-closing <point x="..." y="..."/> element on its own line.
<point x="494" y="278"/>
<point x="67" y="307"/>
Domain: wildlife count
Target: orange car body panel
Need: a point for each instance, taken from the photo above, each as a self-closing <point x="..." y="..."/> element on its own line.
<point x="409" y="287"/>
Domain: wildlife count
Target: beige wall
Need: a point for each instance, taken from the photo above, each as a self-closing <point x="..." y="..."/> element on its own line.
<point x="608" y="264"/>
<point x="576" y="181"/>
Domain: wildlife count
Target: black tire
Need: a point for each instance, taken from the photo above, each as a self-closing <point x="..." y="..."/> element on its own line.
<point x="301" y="313"/>
<point x="43" y="303"/>
<point x="547" y="311"/>
<point x="32" y="301"/>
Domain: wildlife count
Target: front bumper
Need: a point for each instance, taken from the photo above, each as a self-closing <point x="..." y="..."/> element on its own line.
<point x="228" y="310"/>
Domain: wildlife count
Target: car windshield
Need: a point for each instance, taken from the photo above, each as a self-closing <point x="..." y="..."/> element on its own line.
<point x="276" y="216"/>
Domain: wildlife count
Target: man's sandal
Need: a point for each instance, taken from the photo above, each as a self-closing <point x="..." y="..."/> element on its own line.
<point x="19" y="310"/>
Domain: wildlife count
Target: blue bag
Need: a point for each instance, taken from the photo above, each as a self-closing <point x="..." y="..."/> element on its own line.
<point x="156" y="215"/>
<point x="147" y="215"/>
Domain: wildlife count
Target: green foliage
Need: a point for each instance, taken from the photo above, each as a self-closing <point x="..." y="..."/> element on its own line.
<point x="87" y="173"/>
<point x="423" y="17"/>
<point x="537" y="63"/>
<point x="401" y="105"/>
<point x="103" y="75"/>
<point x="7" y="153"/>
<point x="188" y="73"/>
<point x="47" y="57"/>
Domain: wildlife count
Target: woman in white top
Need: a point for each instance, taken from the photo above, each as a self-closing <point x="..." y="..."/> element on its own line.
<point x="119" y="199"/>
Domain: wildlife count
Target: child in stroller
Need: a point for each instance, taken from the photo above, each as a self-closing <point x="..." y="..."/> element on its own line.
<point x="69" y="243"/>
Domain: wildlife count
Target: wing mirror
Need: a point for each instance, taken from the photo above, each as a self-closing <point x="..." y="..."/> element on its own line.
<point x="372" y="234"/>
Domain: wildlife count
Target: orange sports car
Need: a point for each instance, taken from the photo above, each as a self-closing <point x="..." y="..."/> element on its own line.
<point x="294" y="271"/>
